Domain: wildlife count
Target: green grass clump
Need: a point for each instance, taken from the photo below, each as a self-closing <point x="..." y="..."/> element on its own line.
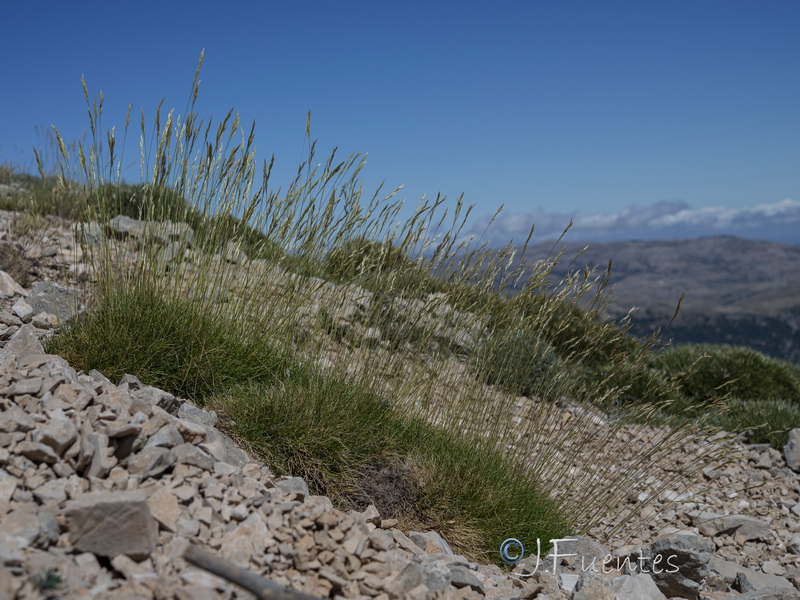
<point x="49" y="582"/>
<point x="566" y="351"/>
<point x="734" y="370"/>
<point x="521" y="363"/>
<point x="329" y="432"/>
<point x="766" y="421"/>
<point x="173" y="343"/>
<point x="762" y="393"/>
<point x="359" y="257"/>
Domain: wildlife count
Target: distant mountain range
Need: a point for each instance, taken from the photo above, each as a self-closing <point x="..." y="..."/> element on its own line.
<point x="737" y="291"/>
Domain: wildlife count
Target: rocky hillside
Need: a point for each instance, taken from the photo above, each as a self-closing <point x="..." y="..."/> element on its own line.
<point x="116" y="489"/>
<point x="737" y="291"/>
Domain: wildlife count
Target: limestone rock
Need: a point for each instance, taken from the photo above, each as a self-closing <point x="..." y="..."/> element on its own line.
<point x="151" y="461"/>
<point x="748" y="528"/>
<point x="770" y="594"/>
<point x="755" y="580"/>
<point x="59" y="434"/>
<point x="792" y="450"/>
<point x="112" y="523"/>
<point x="461" y="577"/>
<point x="22" y="310"/>
<point x="431" y="542"/>
<point x="639" y="587"/>
<point x="165" y="509"/>
<point x="677" y="563"/>
<point x="22" y="343"/>
<point x="9" y="287"/>
<point x="39" y="453"/>
<point x="54" y="299"/>
<point x="293" y="485"/>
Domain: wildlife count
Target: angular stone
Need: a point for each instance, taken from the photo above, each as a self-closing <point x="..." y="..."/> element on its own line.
<point x="187" y="528"/>
<point x="223" y="448"/>
<point x="773" y="593"/>
<point x="639" y="587"/>
<point x="90" y="233"/>
<point x="39" y="453"/>
<point x="193" y="413"/>
<point x="431" y="542"/>
<point x="15" y="419"/>
<point x="592" y="587"/>
<point x="31" y="386"/>
<point x="54" y="491"/>
<point x="8" y="485"/>
<point x="102" y="459"/>
<point x="150" y="462"/>
<point x="112" y="523"/>
<point x="165" y="509"/>
<point x="6" y="332"/>
<point x="99" y="378"/>
<point x="6" y="318"/>
<point x="730" y="570"/>
<point x="131" y="380"/>
<point x="59" y="434"/>
<point x="192" y="432"/>
<point x="123" y="226"/>
<point x="22" y="343"/>
<point x="791" y="451"/>
<point x="189" y="454"/>
<point x="156" y="397"/>
<point x="9" y="287"/>
<point x="677" y="563"/>
<point x="22" y="310"/>
<point x="122" y="429"/>
<point x="54" y="299"/>
<point x="772" y="567"/>
<point x="371" y="515"/>
<point x="44" y="320"/>
<point x="568" y="582"/>
<point x="406" y="543"/>
<point x="293" y="485"/>
<point x="462" y="577"/>
<point x="748" y="528"/>
<point x="413" y="575"/>
<point x="131" y="569"/>
<point x="26" y="526"/>
<point x="245" y="539"/>
<point x="381" y="540"/>
<point x="168" y="437"/>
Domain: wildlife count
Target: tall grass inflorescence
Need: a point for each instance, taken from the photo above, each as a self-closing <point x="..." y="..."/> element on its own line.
<point x="344" y="342"/>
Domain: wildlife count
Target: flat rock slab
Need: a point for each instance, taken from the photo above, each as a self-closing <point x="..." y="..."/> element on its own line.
<point x="112" y="523"/>
<point x="748" y="528"/>
<point x="23" y="342"/>
<point x="54" y="299"/>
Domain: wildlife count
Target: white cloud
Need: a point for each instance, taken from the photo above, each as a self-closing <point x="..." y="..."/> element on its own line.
<point x="665" y="219"/>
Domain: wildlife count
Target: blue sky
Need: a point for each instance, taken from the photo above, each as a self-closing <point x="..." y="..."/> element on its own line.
<point x="637" y="119"/>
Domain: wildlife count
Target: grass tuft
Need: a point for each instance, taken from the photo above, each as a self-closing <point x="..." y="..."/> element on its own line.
<point x="342" y="339"/>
